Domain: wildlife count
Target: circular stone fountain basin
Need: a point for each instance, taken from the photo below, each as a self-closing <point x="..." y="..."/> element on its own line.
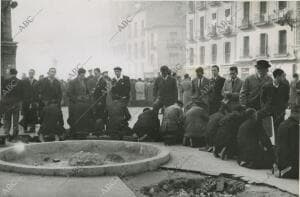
<point x="53" y="158"/>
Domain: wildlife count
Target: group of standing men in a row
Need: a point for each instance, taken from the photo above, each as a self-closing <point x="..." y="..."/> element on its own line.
<point x="40" y="101"/>
<point x="231" y="117"/>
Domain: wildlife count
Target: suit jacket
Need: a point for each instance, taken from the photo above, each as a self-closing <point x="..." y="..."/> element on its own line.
<point x="13" y="91"/>
<point x="77" y="90"/>
<point x="251" y="90"/>
<point x="30" y="90"/>
<point x="275" y="100"/>
<point x="201" y="93"/>
<point x="100" y="90"/>
<point x="234" y="91"/>
<point x="165" y="90"/>
<point x="49" y="91"/>
<point x="121" y="88"/>
<point x="215" y="92"/>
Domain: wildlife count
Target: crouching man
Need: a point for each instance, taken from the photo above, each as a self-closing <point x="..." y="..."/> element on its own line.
<point x="147" y="126"/>
<point x="172" y="124"/>
<point x="195" y="121"/>
<point x="254" y="146"/>
<point x="287" y="161"/>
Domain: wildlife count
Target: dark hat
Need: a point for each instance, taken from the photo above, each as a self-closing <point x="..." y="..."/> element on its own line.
<point x="262" y="64"/>
<point x="118" y="68"/>
<point x="13" y="71"/>
<point x="81" y="70"/>
<point x="164" y="68"/>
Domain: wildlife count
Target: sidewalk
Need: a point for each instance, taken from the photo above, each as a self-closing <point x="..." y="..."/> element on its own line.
<point x="192" y="159"/>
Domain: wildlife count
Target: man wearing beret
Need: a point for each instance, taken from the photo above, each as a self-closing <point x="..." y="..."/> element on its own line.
<point x="165" y="89"/>
<point x="121" y="89"/>
<point x="12" y="95"/>
<point x="251" y="89"/>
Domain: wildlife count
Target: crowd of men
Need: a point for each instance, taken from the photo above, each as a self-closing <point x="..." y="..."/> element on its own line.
<point x="229" y="117"/>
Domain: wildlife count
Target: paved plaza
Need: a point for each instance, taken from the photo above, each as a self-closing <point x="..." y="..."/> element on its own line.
<point x="183" y="158"/>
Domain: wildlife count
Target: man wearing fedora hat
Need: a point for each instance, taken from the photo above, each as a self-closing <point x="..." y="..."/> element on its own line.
<point x="251" y="89"/>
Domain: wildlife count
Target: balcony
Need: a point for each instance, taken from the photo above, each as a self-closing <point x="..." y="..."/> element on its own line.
<point x="262" y="20"/>
<point x="213" y="3"/>
<point x="174" y="45"/>
<point x="245" y="24"/>
<point x="201" y="5"/>
<point x="191" y="7"/>
<point x="201" y="37"/>
<point x="212" y="33"/>
<point x="227" y="31"/>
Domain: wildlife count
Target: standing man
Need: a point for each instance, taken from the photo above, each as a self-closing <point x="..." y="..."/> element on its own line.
<point x="200" y="88"/>
<point x="12" y="95"/>
<point x="30" y="103"/>
<point x="50" y="93"/>
<point x="215" y="92"/>
<point x="274" y="99"/>
<point x="99" y="95"/>
<point x="140" y="91"/>
<point x="231" y="89"/>
<point x="165" y="90"/>
<point x="186" y="88"/>
<point x="91" y="82"/>
<point x="251" y="89"/>
<point x="121" y="89"/>
<point x="293" y="90"/>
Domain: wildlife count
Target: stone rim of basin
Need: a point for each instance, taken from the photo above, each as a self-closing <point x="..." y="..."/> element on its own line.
<point x="120" y="169"/>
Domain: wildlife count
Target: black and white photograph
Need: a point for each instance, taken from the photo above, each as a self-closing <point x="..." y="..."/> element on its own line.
<point x="149" y="98"/>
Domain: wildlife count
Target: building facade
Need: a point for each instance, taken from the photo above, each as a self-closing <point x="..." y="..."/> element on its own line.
<point x="8" y="46"/>
<point x="154" y="36"/>
<point x="240" y="33"/>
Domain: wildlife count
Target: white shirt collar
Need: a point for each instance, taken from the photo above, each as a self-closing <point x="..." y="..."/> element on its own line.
<point x="275" y="85"/>
<point x="121" y="76"/>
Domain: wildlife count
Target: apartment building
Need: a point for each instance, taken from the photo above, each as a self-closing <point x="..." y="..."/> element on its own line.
<point x="240" y="33"/>
<point x="155" y="36"/>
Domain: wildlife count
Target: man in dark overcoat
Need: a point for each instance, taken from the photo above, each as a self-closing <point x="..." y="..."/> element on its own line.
<point x="216" y="84"/>
<point x="30" y="103"/>
<point x="165" y="90"/>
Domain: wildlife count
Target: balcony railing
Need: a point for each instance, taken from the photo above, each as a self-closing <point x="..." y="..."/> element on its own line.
<point x="227" y="31"/>
<point x="201" y="5"/>
<point x="213" y="31"/>
<point x="245" y="24"/>
<point x="262" y="19"/>
<point x="213" y="3"/>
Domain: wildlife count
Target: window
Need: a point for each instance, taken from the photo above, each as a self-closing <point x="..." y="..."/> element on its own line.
<point x="135" y="29"/>
<point x="142" y="28"/>
<point x="246" y="49"/>
<point x="282" y="42"/>
<point x="129" y="31"/>
<point x="152" y="41"/>
<point x="143" y="49"/>
<point x="191" y="55"/>
<point x="263" y="7"/>
<point x="173" y="57"/>
<point x="152" y="59"/>
<point x="214" y="16"/>
<point x="191" y="30"/>
<point x="129" y="51"/>
<point x="173" y="36"/>
<point x="227" y="50"/>
<point x="214" y="54"/>
<point x="202" y="27"/>
<point x="191" y="7"/>
<point x="263" y="44"/>
<point x="227" y="13"/>
<point x="282" y="5"/>
<point x="246" y="10"/>
<point x="202" y="55"/>
<point x="135" y="51"/>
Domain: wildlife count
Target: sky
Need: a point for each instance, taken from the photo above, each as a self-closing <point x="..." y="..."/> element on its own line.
<point x="62" y="34"/>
